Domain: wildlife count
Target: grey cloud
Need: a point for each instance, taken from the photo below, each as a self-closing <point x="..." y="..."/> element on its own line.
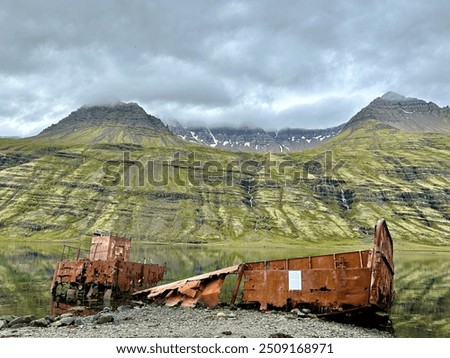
<point x="327" y="113"/>
<point x="219" y="62"/>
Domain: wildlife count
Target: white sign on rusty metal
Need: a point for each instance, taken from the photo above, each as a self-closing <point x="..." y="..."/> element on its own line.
<point x="295" y="280"/>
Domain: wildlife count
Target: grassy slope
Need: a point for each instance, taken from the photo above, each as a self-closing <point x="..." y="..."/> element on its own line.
<point x="63" y="192"/>
<point x="403" y="177"/>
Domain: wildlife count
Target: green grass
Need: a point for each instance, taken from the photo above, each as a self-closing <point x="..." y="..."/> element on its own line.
<point x="61" y="191"/>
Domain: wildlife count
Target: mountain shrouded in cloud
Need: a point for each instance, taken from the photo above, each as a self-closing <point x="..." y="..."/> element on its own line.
<point x="129" y="123"/>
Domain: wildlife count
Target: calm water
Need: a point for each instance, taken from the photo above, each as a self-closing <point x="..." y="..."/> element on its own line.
<point x="422" y="281"/>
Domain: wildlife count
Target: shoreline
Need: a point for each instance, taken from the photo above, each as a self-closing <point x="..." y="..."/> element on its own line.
<point x="325" y="245"/>
<point x="155" y="321"/>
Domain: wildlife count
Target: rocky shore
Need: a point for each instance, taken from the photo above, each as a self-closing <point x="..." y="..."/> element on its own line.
<point x="148" y="321"/>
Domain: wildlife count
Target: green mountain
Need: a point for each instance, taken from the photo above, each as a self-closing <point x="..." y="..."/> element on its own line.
<point x="114" y="124"/>
<point x="117" y="168"/>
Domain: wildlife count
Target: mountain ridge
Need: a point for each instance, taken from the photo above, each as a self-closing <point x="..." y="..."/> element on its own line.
<point x="405" y="113"/>
<point x="408" y="114"/>
<point x="132" y="124"/>
<point x="255" y="139"/>
<point x="63" y="185"/>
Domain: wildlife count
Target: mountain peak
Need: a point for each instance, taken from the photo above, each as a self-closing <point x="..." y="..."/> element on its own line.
<point x="115" y="122"/>
<point x="116" y="114"/>
<point x="107" y="112"/>
<point x="392" y="96"/>
<point x="113" y="105"/>
<point x="405" y="113"/>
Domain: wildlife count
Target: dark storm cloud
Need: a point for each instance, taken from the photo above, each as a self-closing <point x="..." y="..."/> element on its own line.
<point x="266" y="63"/>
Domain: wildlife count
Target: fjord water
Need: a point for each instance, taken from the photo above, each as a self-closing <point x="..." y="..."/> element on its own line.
<point x="422" y="281"/>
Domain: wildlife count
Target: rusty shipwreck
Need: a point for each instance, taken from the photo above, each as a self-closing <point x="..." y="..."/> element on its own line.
<point x="106" y="273"/>
<point x="326" y="284"/>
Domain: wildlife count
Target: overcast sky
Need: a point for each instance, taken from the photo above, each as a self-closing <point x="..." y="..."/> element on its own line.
<point x="271" y="64"/>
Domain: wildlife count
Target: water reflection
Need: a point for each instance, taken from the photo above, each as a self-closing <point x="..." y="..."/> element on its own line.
<point x="422" y="281"/>
<point x="423" y="286"/>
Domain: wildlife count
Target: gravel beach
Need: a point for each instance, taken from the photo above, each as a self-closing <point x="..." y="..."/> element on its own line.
<point x="149" y="321"/>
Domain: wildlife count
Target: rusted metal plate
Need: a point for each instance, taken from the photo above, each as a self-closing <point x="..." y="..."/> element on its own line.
<point x="68" y="271"/>
<point x="109" y="247"/>
<point x="101" y="272"/>
<point x="188" y="292"/>
<point x="381" y="262"/>
<point x="265" y="287"/>
<point x="211" y="291"/>
<point x="133" y="276"/>
<point x="190" y="289"/>
<point x="331" y="288"/>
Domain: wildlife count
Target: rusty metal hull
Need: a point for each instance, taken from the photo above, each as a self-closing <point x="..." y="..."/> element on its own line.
<point x="327" y="283"/>
<point x="76" y="280"/>
<point x="295" y="282"/>
<point x="106" y="274"/>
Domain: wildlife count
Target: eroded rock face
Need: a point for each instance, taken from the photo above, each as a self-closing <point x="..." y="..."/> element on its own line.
<point x="256" y="139"/>
<point x="10" y="160"/>
<point x="405" y="113"/>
